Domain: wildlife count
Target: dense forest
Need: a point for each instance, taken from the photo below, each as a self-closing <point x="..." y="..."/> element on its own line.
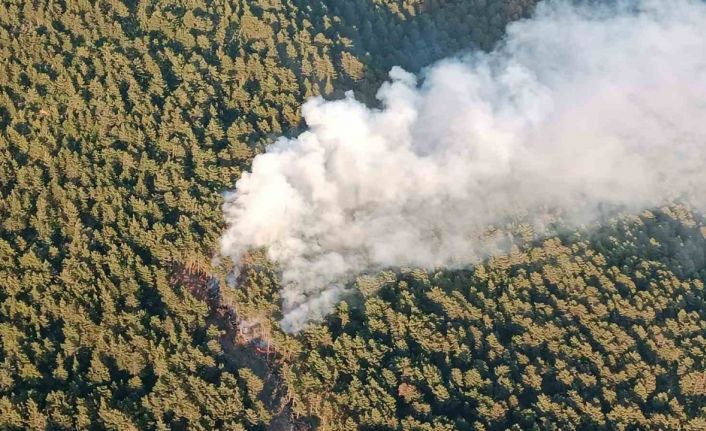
<point x="597" y="331"/>
<point x="121" y="123"/>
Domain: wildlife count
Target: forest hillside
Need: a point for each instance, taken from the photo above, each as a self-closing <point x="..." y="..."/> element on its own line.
<point x="122" y="123"/>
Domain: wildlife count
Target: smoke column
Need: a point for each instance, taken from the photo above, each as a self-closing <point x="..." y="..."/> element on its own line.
<point x="580" y="107"/>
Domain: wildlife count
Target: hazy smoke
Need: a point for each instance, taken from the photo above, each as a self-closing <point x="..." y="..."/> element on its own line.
<point x="580" y="107"/>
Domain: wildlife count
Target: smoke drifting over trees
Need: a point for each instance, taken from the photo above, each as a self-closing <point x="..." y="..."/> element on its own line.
<point x="579" y="108"/>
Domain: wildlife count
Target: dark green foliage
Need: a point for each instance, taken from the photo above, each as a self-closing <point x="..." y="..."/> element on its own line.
<point x="120" y="125"/>
<point x="600" y="332"/>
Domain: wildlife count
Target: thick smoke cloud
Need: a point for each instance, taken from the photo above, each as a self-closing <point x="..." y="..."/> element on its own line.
<point x="579" y="108"/>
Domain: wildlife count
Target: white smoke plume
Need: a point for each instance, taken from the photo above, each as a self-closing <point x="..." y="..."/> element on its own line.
<point x="579" y="107"/>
